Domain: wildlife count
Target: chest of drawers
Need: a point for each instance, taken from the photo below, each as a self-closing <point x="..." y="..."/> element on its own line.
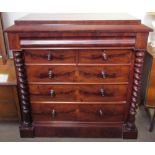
<point x="78" y="75"/>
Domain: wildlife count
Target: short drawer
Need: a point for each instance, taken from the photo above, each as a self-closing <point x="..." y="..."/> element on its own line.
<point x="52" y="92"/>
<point x="49" y="56"/>
<point x="106" y="73"/>
<point x="99" y="56"/>
<point x="50" y="73"/>
<point x="70" y="112"/>
<point x="82" y="93"/>
<point x="103" y="93"/>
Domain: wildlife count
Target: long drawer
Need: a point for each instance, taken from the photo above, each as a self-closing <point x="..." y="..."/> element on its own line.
<point x="72" y="112"/>
<point x="50" y="73"/>
<point x="82" y="93"/>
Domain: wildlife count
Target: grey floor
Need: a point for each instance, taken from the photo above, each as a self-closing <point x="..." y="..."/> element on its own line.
<point x="9" y="132"/>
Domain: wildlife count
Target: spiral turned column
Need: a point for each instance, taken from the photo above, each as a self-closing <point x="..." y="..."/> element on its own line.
<point x="138" y="68"/>
<point x="23" y="89"/>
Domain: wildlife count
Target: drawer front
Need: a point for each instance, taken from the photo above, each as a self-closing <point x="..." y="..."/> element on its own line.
<point x="104" y="73"/>
<point x="102" y="93"/>
<point x="71" y="112"/>
<point x="105" y="56"/>
<point x="49" y="56"/>
<point x="82" y="93"/>
<point x="51" y="73"/>
<point x="52" y="92"/>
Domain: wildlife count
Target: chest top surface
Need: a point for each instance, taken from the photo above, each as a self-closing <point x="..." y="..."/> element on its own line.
<point x="76" y="18"/>
<point x="109" y="22"/>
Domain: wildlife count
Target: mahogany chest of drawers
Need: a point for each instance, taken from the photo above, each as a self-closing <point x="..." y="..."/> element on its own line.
<point x="78" y="75"/>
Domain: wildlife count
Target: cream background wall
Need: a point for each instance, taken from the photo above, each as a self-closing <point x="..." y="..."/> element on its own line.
<point x="9" y="17"/>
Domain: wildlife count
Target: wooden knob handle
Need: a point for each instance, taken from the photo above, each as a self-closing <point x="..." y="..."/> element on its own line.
<point x="103" y="74"/>
<point x="102" y="92"/>
<point x="52" y="93"/>
<point x="49" y="56"/>
<point x="50" y="74"/>
<point x="101" y="112"/>
<point x="53" y="113"/>
<point x="104" y="56"/>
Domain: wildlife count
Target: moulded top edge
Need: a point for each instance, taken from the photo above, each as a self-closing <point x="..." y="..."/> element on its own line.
<point x="79" y="18"/>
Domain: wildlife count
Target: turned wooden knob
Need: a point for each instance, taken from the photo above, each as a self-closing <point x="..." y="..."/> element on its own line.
<point x="104" y="56"/>
<point x="49" y="56"/>
<point x="50" y="74"/>
<point x="103" y="74"/>
<point x="53" y="113"/>
<point x="52" y="93"/>
<point x="102" y="92"/>
<point x="101" y="112"/>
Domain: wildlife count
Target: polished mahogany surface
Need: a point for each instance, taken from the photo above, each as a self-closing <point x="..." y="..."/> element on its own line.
<point x="82" y="22"/>
<point x="78" y="18"/>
